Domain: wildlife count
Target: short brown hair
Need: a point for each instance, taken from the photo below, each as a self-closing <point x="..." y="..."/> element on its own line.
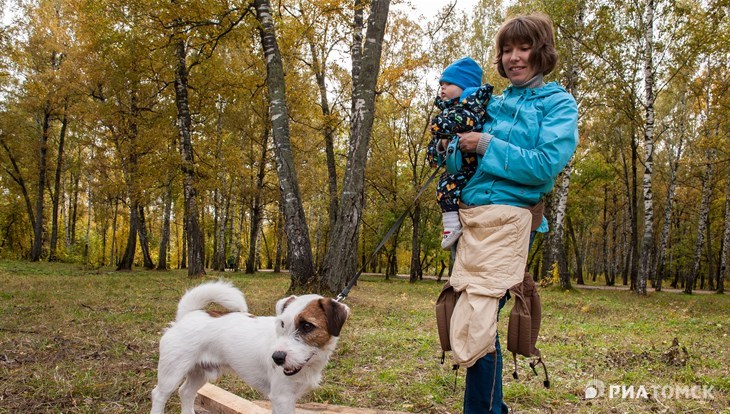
<point x="535" y="30"/>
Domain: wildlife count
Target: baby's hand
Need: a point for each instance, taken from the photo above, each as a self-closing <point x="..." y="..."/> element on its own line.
<point x="443" y="144"/>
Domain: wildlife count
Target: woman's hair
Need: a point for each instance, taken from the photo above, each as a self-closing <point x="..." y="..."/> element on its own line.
<point x="535" y="30"/>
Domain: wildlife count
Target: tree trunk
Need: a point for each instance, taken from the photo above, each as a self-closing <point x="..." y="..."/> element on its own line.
<point x="165" y="233"/>
<point x="725" y="250"/>
<point x="613" y="269"/>
<point x="671" y="191"/>
<point x="299" y="251"/>
<point x="701" y="223"/>
<point x="35" y="254"/>
<point x="319" y="65"/>
<point x="341" y="257"/>
<point x="578" y="255"/>
<point x="645" y="260"/>
<point x="194" y="235"/>
<point x="127" y="260"/>
<point x="52" y="256"/>
<point x="73" y="208"/>
<point x="279" y="239"/>
<point x="256" y="209"/>
<point x="557" y="234"/>
<point x="18" y="178"/>
<point x="416" y="269"/>
<point x="632" y="268"/>
<point x="144" y="243"/>
<point x="88" y="220"/>
<point x="112" y="254"/>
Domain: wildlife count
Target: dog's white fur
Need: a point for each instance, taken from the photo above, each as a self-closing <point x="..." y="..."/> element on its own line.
<point x="281" y="356"/>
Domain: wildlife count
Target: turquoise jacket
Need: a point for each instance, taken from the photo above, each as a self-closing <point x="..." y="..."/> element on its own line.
<point x="534" y="135"/>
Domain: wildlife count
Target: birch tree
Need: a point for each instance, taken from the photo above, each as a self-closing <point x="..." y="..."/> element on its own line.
<point x="299" y="250"/>
<point x="725" y="240"/>
<point x="645" y="259"/>
<point x="674" y="157"/>
<point x="701" y="221"/>
<point x="341" y="257"/>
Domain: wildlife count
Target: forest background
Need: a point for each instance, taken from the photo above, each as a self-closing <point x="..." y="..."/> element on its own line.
<point x="222" y="134"/>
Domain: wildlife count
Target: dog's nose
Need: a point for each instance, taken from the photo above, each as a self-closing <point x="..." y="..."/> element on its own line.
<point x="279" y="357"/>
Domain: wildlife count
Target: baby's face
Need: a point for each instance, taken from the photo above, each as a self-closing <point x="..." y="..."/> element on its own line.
<point x="449" y="91"/>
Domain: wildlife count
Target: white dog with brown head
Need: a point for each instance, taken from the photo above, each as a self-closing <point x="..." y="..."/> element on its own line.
<point x="281" y="356"/>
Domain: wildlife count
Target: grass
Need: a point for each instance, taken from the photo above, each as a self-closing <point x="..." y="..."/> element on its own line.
<point x="75" y="340"/>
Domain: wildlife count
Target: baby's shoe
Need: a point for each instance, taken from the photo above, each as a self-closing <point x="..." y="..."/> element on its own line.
<point x="450" y="237"/>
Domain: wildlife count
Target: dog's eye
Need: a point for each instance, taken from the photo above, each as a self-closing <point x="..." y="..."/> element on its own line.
<point x="306" y="327"/>
<point x="282" y="324"/>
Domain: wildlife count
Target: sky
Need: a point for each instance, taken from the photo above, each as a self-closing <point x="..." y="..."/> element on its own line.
<point x="427" y="9"/>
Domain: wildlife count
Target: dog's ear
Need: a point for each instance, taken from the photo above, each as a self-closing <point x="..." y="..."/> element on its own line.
<point x="283" y="303"/>
<point x="336" y="314"/>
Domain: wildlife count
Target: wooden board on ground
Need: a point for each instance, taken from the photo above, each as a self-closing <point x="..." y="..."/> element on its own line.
<point x="214" y="400"/>
<point x="316" y="408"/>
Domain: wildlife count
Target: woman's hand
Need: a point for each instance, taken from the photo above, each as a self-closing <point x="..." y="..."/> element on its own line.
<point x="468" y="141"/>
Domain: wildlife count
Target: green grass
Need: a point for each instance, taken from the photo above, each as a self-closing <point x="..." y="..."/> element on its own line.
<point x="74" y="340"/>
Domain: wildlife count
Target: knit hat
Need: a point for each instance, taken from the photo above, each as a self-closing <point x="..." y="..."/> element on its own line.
<point x="464" y="73"/>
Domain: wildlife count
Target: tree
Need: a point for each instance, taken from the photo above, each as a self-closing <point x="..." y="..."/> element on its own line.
<point x="341" y="257"/>
<point x="299" y="251"/>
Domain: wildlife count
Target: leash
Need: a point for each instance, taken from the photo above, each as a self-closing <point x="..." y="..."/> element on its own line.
<point x="342" y="296"/>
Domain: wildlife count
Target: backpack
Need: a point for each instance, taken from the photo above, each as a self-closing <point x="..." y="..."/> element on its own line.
<point x="524" y="318"/>
<point x="445" y="305"/>
<point x="524" y="325"/>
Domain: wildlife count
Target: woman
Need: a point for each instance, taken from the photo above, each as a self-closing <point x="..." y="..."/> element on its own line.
<point x="529" y="136"/>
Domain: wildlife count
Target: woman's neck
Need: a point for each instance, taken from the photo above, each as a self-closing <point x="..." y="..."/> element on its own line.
<point x="535" y="82"/>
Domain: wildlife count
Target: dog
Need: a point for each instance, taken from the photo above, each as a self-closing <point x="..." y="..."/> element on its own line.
<point x="281" y="356"/>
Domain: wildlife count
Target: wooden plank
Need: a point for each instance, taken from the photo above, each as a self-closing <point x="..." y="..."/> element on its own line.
<point x="216" y="400"/>
<point x="317" y="408"/>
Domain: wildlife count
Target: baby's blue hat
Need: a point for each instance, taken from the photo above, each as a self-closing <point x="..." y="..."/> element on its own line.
<point x="464" y="73"/>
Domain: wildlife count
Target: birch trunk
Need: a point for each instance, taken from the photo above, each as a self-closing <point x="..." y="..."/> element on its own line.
<point x="701" y="223"/>
<point x="645" y="260"/>
<point x="341" y="256"/>
<point x="725" y="242"/>
<point x="671" y="191"/>
<point x="279" y="239"/>
<point x="52" y="256"/>
<point x="557" y="233"/>
<point x="299" y="251"/>
<point x="220" y="197"/>
<point x="194" y="236"/>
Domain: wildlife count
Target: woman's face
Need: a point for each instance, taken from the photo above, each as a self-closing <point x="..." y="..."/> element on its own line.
<point x="515" y="61"/>
<point x="449" y="91"/>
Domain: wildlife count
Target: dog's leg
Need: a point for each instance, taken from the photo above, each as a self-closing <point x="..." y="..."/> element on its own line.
<point x="196" y="378"/>
<point x="282" y="403"/>
<point x="170" y="373"/>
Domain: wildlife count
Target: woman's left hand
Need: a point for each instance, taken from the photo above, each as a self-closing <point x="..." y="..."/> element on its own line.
<point x="468" y="141"/>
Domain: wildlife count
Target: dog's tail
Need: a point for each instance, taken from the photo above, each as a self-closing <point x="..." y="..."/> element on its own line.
<point x="220" y="292"/>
